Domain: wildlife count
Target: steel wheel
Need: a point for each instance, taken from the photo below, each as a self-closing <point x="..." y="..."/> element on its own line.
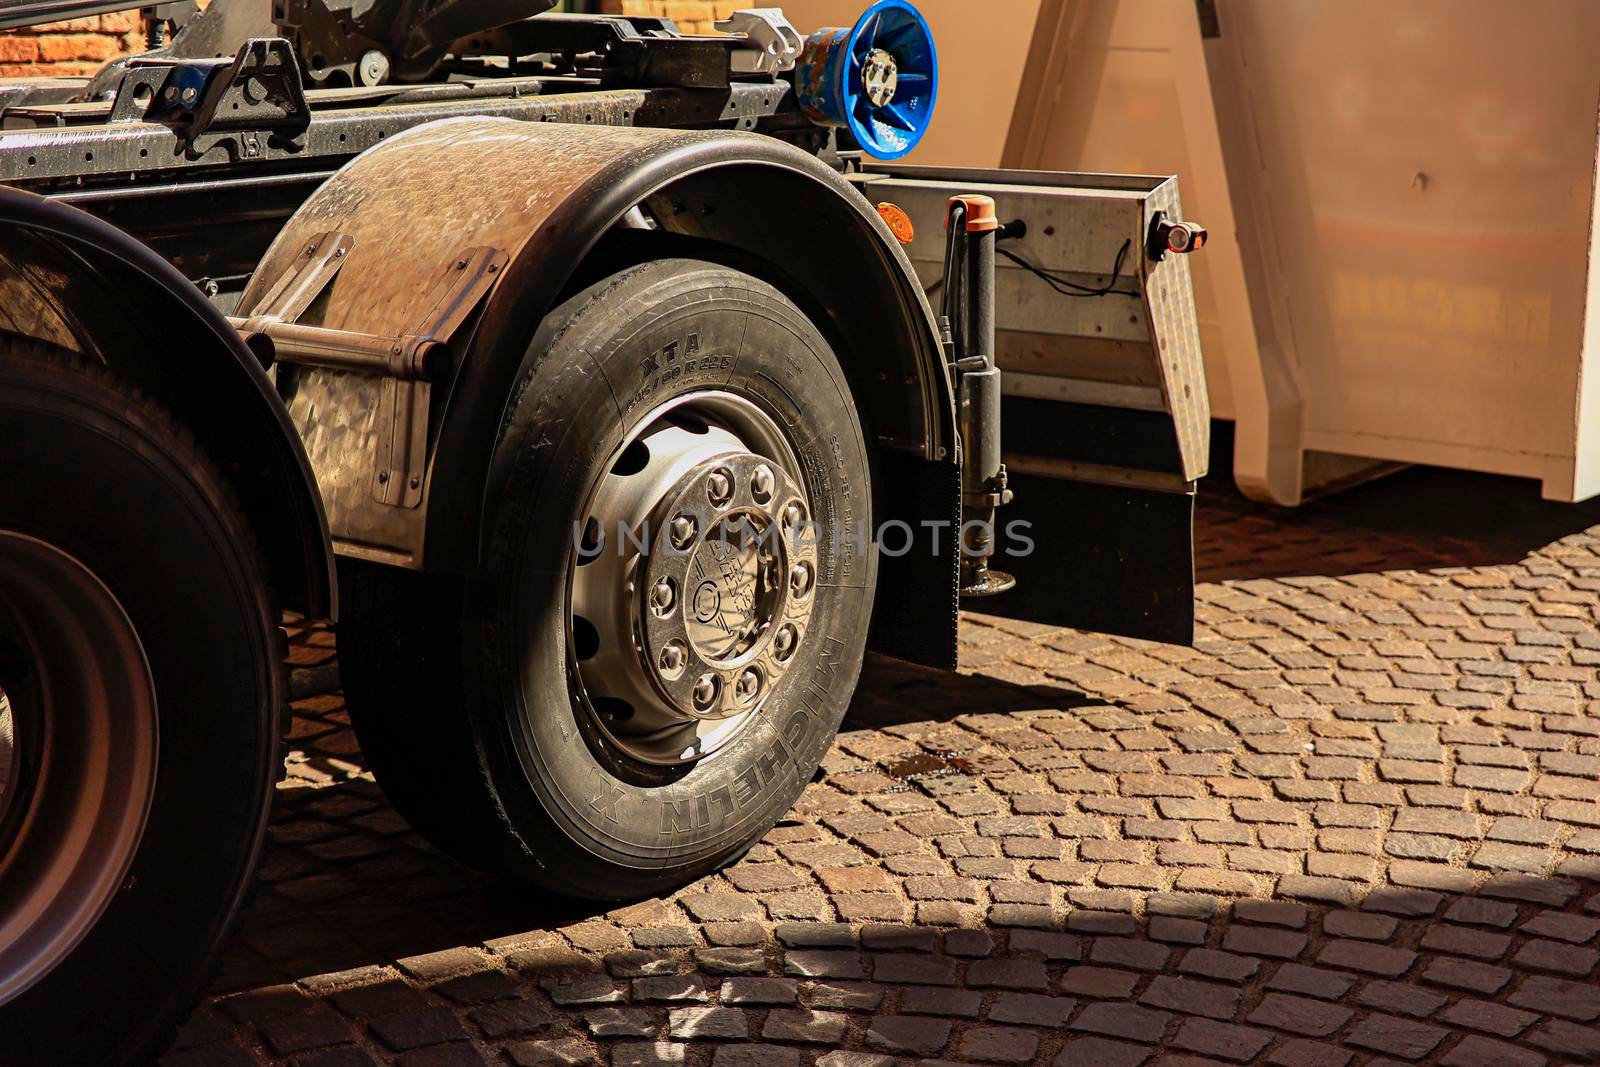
<point x="77" y="759"/>
<point x="658" y="644"/>
<point x="691" y="587"/>
<point x="138" y="656"/>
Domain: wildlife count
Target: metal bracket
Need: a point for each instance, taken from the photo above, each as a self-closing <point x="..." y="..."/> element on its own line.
<point x="401" y="424"/>
<point x="258" y="90"/>
<point x="771" y="44"/>
<point x="306" y="278"/>
<point x="261" y="89"/>
<point x="408" y="364"/>
<point x="317" y="265"/>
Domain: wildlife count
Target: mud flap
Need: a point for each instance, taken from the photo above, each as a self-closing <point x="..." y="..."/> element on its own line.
<point x="916" y="615"/>
<point x="1109" y="549"/>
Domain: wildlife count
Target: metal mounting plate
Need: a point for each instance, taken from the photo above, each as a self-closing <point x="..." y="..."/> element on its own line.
<point x="403" y="405"/>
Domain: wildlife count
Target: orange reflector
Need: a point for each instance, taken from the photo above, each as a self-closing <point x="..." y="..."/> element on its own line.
<point x="898" y="221"/>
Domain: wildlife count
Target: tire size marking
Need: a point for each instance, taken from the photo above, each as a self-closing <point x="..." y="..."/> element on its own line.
<point x="846" y="515"/>
<point x="678" y="359"/>
<point x="825" y="468"/>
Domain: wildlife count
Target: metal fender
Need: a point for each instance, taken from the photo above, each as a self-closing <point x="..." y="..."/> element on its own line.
<point x="539" y="198"/>
<point x="69" y="279"/>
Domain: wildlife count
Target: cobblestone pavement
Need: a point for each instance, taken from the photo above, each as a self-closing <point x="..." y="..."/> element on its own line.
<point x="1358" y="823"/>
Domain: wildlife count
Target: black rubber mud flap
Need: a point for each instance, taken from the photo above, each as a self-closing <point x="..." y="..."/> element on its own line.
<point x="1100" y="535"/>
<point x="1107" y="558"/>
<point x="917" y="605"/>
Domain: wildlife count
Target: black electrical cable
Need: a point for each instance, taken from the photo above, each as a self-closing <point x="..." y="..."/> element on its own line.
<point x="953" y="260"/>
<point x="1054" y="280"/>
<point x="1067" y="287"/>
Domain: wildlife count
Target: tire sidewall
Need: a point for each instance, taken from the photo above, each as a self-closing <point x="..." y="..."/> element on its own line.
<point x="118" y="488"/>
<point x="636" y="341"/>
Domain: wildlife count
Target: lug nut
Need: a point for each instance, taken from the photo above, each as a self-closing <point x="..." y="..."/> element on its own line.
<point x="705" y="691"/>
<point x="800" y="579"/>
<point x="682" y="532"/>
<point x="672" y="658"/>
<point x="748" y="685"/>
<point x="719" y="487"/>
<point x="793" y="514"/>
<point x="783" y="643"/>
<point x="662" y="597"/>
<point x="762" y="483"/>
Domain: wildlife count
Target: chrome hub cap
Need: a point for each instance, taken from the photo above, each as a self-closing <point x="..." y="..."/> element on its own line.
<point x="693" y="582"/>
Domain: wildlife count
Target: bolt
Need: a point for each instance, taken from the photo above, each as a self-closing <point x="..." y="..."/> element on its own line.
<point x="374" y="68"/>
<point x="383" y="477"/>
<point x="800" y="579"/>
<point x="661" y="597"/>
<point x="682" y="531"/>
<point x="671" y="661"/>
<point x="792" y="515"/>
<point x="719" y="487"/>
<point x="748" y="685"/>
<point x="783" y="642"/>
<point x="761" y="484"/>
<point x="705" y="691"/>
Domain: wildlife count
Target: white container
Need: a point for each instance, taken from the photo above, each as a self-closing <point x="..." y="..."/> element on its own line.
<point x="1402" y="202"/>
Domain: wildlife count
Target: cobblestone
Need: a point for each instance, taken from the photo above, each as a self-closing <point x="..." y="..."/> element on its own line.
<point x="1356" y="823"/>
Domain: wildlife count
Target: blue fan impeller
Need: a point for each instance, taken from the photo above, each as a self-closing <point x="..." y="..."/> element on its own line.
<point x="878" y="77"/>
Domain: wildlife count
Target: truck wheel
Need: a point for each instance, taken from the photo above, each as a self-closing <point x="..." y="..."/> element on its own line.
<point x="672" y="609"/>
<point x="139" y="657"/>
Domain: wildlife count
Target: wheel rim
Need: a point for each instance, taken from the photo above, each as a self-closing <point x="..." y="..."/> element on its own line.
<point x="81" y="760"/>
<point x="8" y="745"/>
<point x="692" y="581"/>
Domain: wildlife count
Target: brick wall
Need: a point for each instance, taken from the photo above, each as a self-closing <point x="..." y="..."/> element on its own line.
<point x="79" y="46"/>
<point x="82" y="45"/>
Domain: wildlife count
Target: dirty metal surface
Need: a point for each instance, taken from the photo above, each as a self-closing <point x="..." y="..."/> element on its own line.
<point x="29" y="157"/>
<point x="537" y="192"/>
<point x="534" y="170"/>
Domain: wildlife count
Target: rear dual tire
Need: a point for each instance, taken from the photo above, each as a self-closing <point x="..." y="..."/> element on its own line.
<point x="484" y="705"/>
<point x="139" y="653"/>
